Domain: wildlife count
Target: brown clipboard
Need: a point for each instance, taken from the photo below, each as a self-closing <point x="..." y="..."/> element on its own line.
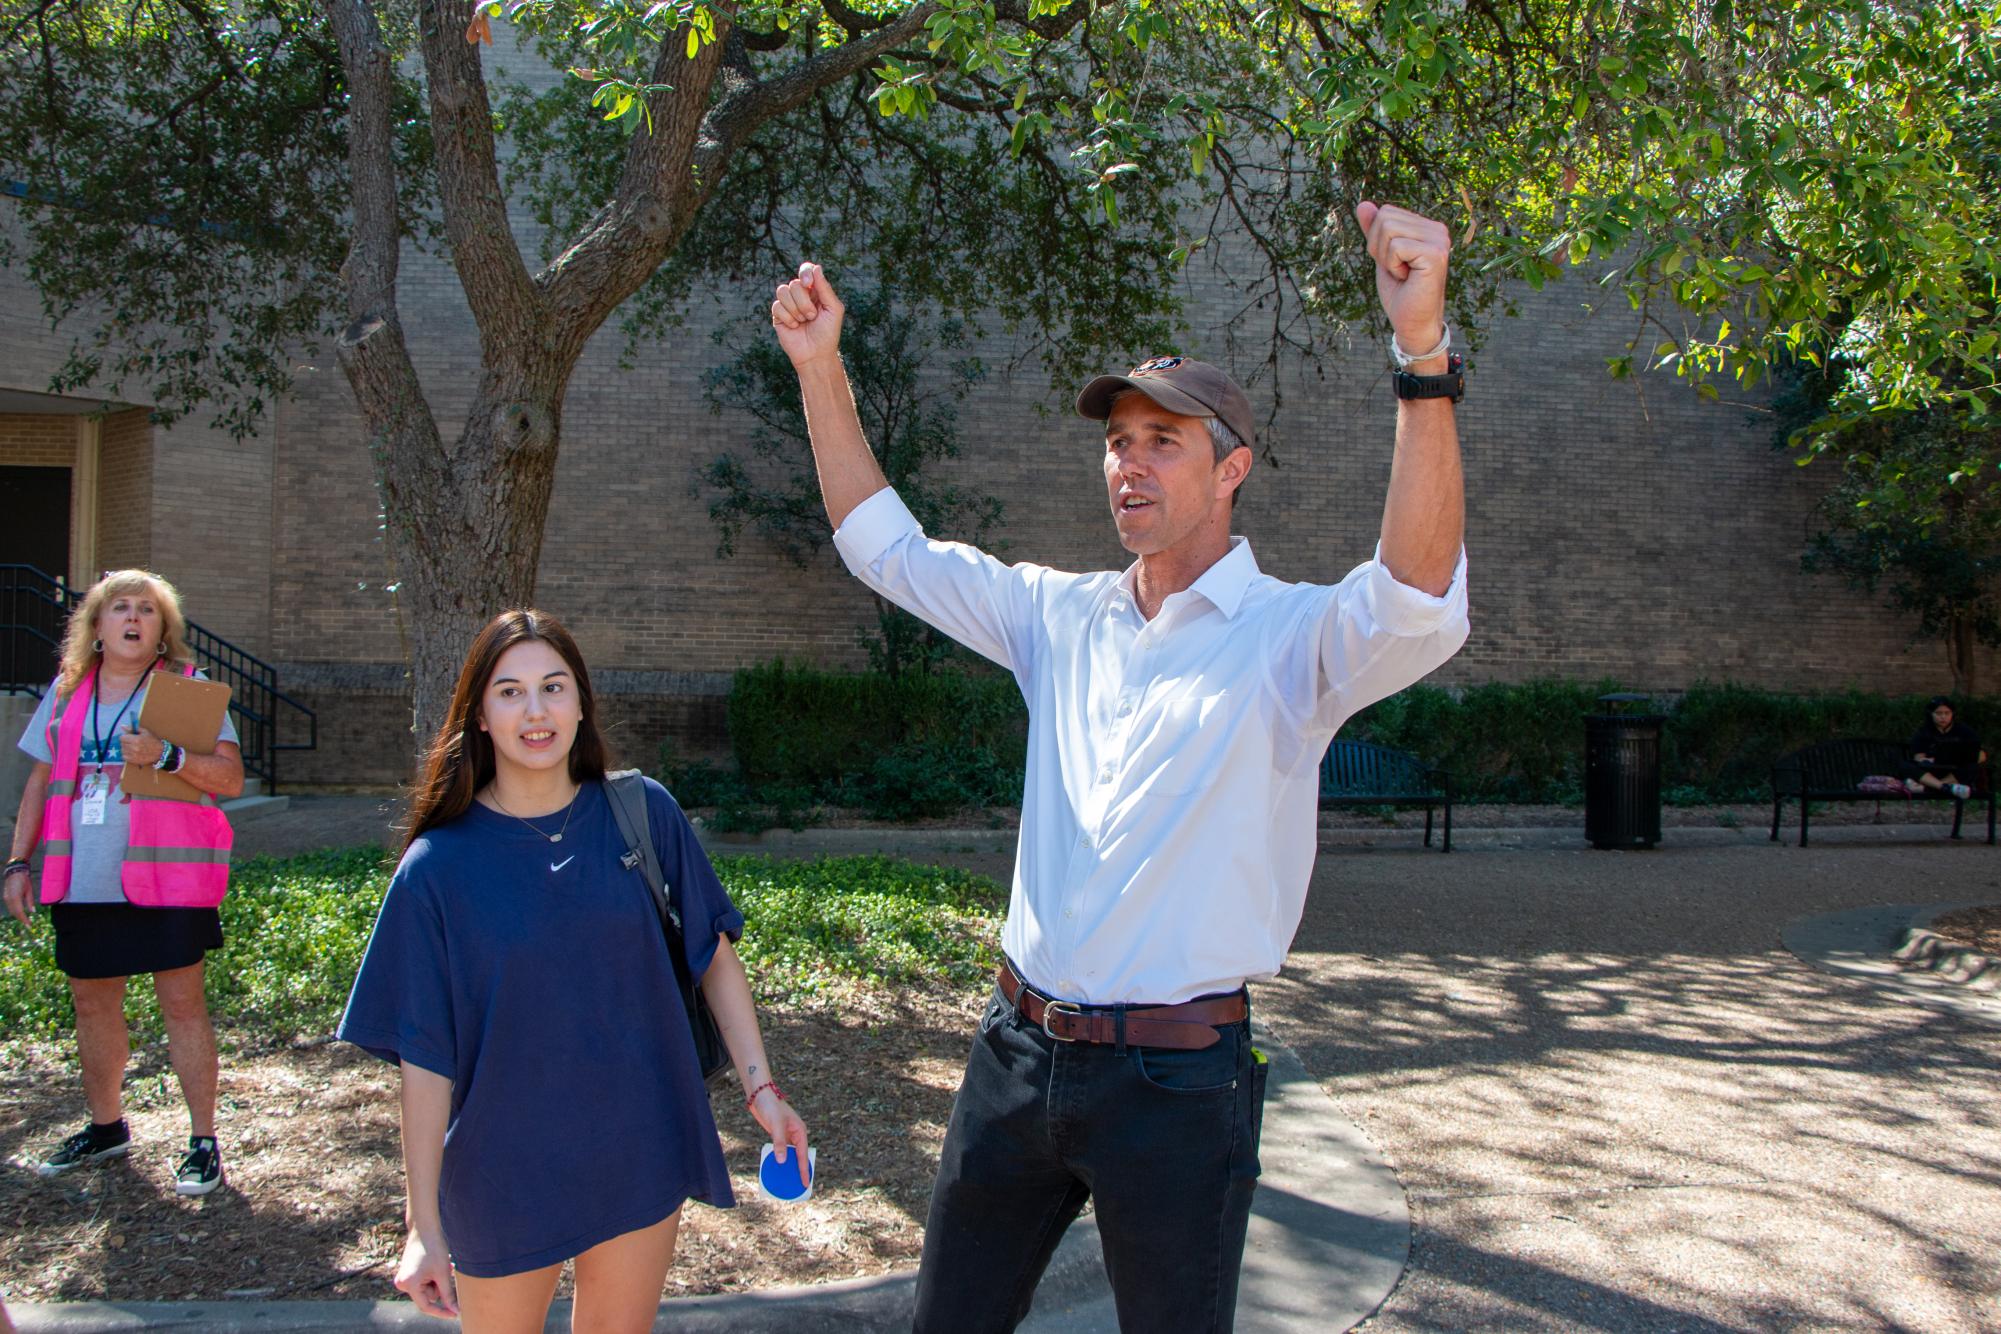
<point x="188" y="713"/>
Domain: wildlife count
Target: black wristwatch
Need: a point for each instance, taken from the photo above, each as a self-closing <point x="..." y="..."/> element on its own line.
<point x="1450" y="385"/>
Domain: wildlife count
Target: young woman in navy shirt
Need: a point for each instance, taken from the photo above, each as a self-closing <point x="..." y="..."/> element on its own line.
<point x="553" y="1105"/>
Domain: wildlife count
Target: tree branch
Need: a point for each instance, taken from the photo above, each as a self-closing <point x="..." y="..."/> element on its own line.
<point x="504" y="301"/>
<point x="674" y="165"/>
<point x="371" y="348"/>
<point x="1050" y="26"/>
<point x="732" y="120"/>
<point x="853" y="23"/>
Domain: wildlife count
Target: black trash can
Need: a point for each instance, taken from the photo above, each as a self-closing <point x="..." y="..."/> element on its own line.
<point x="1622" y="774"/>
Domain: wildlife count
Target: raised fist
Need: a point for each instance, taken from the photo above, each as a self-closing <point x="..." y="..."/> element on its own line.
<point x="1411" y="253"/>
<point x="806" y="316"/>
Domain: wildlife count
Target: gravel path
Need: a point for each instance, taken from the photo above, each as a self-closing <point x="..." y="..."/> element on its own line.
<point x="1617" y="1103"/>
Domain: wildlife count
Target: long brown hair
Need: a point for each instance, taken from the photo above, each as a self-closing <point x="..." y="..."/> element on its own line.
<point x="80" y="650"/>
<point x="460" y="759"/>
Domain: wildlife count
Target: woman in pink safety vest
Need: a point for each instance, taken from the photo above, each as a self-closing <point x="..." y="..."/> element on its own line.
<point x="132" y="883"/>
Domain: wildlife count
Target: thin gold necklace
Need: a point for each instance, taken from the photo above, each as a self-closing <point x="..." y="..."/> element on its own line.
<point x="556" y="837"/>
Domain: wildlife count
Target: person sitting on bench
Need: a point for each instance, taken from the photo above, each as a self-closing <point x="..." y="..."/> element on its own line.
<point x="1941" y="750"/>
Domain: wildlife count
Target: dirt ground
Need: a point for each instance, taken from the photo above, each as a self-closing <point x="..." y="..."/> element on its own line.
<point x="312" y="1202"/>
<point x="1975" y="928"/>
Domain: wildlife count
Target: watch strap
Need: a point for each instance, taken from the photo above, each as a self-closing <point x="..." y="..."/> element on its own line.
<point x="1451" y="384"/>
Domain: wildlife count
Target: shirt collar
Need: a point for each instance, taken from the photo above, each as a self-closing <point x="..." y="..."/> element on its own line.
<point x="1223" y="584"/>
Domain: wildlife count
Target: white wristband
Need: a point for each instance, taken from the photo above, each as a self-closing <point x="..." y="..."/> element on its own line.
<point x="1405" y="360"/>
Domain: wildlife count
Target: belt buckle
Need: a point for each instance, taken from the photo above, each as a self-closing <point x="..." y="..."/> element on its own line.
<point x="1067" y="1007"/>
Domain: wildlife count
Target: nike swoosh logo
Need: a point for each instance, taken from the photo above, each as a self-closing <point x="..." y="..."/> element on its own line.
<point x="557" y="866"/>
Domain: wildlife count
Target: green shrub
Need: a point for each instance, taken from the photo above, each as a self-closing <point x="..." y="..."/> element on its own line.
<point x="1525" y="742"/>
<point x="1522" y="742"/>
<point x="809" y="728"/>
<point x="908" y="747"/>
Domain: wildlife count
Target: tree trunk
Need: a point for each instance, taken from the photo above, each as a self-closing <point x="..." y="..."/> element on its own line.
<point x="465" y="526"/>
<point x="1959" y="653"/>
<point x="465" y="522"/>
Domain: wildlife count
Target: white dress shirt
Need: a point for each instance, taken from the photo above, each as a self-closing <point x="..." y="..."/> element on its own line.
<point x="1169" y="818"/>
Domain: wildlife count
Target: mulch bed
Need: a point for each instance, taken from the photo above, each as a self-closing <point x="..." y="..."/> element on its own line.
<point x="1977" y="929"/>
<point x="312" y="1205"/>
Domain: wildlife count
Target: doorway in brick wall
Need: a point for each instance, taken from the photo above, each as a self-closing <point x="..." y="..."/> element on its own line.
<point x="36" y="503"/>
<point x="34" y="531"/>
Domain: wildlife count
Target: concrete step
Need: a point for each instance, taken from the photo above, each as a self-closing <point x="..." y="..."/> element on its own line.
<point x="244" y="809"/>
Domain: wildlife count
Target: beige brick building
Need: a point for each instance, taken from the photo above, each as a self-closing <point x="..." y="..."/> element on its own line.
<point x="1654" y="539"/>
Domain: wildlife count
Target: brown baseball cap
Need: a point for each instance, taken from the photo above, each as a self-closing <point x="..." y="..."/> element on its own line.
<point x="1179" y="384"/>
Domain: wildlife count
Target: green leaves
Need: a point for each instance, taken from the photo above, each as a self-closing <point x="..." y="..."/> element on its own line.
<point x="1787" y="178"/>
<point x="187" y="171"/>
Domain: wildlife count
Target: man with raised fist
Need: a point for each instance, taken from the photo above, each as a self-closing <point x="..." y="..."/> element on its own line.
<point x="1178" y="710"/>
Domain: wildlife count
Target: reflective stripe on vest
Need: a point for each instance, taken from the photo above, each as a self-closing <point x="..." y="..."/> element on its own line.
<point x="217" y="855"/>
<point x="176" y="852"/>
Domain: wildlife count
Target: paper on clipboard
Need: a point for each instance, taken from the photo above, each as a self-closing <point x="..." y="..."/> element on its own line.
<point x="188" y="713"/>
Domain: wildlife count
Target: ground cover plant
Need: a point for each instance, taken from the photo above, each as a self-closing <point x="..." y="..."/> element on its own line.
<point x="868" y="970"/>
<point x="819" y="932"/>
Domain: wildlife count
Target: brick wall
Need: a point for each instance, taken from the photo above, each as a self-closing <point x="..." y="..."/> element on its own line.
<point x="38" y="441"/>
<point x="364" y="732"/>
<point x="1650" y="537"/>
<point x="1655" y="539"/>
<point x="125" y="497"/>
<point x="212" y="528"/>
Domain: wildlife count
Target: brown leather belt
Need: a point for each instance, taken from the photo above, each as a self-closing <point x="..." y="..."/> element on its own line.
<point x="1190" y="1025"/>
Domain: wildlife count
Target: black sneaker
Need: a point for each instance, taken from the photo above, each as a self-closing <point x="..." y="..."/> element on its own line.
<point x="92" y="1144"/>
<point x="201" y="1171"/>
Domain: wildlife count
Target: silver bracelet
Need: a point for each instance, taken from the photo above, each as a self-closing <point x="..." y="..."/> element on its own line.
<point x="1405" y="360"/>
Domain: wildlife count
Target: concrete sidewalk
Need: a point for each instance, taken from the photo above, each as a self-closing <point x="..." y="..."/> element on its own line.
<point x="1329" y="1233"/>
<point x="1617" y="1101"/>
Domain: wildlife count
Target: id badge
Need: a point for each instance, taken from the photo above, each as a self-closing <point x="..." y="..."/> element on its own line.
<point x="90" y="807"/>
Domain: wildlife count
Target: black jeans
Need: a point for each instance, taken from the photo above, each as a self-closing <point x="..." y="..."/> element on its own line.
<point x="1164" y="1141"/>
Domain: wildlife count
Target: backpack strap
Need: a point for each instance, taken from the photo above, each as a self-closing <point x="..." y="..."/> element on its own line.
<point x="625" y="789"/>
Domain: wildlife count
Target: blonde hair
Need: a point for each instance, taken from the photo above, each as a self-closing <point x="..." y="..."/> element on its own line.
<point x="80" y="651"/>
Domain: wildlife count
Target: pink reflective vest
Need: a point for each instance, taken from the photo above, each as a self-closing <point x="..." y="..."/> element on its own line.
<point x="177" y="852"/>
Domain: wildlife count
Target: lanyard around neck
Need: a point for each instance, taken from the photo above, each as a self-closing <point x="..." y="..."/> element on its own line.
<point x="96" y="701"/>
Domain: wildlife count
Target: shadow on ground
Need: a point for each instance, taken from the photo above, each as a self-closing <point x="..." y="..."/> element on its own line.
<point x="1616" y="1102"/>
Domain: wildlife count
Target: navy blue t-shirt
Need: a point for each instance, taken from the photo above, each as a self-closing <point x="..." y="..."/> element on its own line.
<point x="534" y="975"/>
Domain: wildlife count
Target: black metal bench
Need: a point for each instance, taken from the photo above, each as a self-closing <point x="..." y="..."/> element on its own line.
<point x="1359" y="773"/>
<point x="1834" y="770"/>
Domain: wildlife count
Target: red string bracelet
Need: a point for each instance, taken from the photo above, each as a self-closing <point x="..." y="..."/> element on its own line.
<point x="771" y="1084"/>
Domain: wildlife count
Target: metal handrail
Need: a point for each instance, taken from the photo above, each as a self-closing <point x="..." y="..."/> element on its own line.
<point x="34" y="609"/>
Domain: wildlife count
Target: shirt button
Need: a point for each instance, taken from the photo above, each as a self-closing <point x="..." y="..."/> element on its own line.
<point x="1125" y="708"/>
<point x="1069" y="912"/>
<point x="1105" y="774"/>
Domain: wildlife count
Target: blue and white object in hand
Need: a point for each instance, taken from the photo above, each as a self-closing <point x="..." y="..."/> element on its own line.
<point x="780" y="1181"/>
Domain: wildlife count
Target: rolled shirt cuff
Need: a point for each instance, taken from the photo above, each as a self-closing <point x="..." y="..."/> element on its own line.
<point x="872" y="528"/>
<point x="1403" y="610"/>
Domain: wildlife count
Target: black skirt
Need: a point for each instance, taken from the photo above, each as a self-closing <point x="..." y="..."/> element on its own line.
<point x="118" y="940"/>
